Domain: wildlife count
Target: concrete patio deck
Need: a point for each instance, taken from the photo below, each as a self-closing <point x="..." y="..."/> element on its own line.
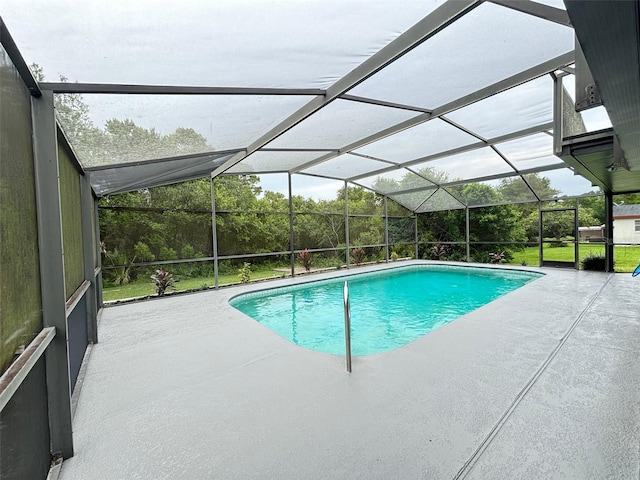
<point x="540" y="384"/>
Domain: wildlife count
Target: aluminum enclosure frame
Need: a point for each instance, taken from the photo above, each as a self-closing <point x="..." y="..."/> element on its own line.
<point x="436" y="21"/>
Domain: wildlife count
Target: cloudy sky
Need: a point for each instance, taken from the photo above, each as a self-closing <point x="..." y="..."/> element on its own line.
<point x="286" y="43"/>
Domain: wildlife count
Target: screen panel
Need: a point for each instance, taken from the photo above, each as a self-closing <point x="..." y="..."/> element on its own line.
<point x="428" y="138"/>
<point x="525" y="106"/>
<point x="467" y="56"/>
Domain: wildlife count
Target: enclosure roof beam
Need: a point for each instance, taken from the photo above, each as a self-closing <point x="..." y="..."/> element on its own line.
<point x="128" y="89"/>
<point x="536" y="9"/>
<point x="191" y="156"/>
<point x="464" y="129"/>
<point x="437" y="20"/>
<point x="298" y="150"/>
<point x="382" y="103"/>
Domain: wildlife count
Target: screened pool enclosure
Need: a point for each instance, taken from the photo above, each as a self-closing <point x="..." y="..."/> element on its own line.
<point x="173" y="135"/>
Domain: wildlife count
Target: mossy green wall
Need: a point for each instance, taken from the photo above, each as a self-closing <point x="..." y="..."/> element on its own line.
<point x="93" y="237"/>
<point x="20" y="297"/>
<point x="70" y="203"/>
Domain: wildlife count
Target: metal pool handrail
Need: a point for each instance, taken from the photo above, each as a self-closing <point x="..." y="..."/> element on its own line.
<point x="347" y="325"/>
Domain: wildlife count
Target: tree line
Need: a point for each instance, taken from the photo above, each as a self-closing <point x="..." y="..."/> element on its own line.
<point x="174" y="222"/>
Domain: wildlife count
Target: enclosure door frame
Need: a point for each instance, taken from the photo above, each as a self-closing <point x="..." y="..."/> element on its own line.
<point x="560" y="263"/>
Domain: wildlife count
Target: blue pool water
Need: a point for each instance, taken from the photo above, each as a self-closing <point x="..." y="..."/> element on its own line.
<point x="389" y="308"/>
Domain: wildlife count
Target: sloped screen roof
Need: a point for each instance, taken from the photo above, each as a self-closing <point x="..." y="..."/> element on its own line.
<point x="412" y="99"/>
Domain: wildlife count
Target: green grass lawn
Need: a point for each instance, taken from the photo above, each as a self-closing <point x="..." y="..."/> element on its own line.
<point x="142" y="289"/>
<point x="626" y="258"/>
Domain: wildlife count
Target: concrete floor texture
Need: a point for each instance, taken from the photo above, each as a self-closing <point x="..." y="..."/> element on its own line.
<point x="542" y="383"/>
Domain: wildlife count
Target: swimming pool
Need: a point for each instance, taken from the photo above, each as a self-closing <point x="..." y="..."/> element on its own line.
<point x="389" y="308"/>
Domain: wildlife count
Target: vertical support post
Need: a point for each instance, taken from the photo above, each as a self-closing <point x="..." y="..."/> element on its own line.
<point x="557" y="115"/>
<point x="45" y="146"/>
<point x="88" y="251"/>
<point x="576" y="235"/>
<point x="467" y="234"/>
<point x="292" y="246"/>
<point x="98" y="265"/>
<point x="214" y="230"/>
<point x="540" y="232"/>
<point x="386" y="230"/>
<point x="608" y="232"/>
<point x="415" y="219"/>
<point x="346" y="223"/>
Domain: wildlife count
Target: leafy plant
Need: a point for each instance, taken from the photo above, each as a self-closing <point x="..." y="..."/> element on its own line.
<point x="439" y="250"/>
<point x="120" y="274"/>
<point x="163" y="280"/>
<point x="596" y="263"/>
<point x="244" y="273"/>
<point x="305" y="259"/>
<point x="358" y="255"/>
<point x="497" y="257"/>
<point x="394" y="256"/>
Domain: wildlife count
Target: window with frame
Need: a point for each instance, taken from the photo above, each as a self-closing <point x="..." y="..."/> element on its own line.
<point x="637" y="226"/>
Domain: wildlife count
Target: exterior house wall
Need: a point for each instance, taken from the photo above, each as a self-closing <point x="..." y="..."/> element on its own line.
<point x="624" y="230"/>
<point x="591" y="234"/>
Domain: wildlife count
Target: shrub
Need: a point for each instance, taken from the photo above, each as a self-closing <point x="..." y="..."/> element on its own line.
<point x="555" y="243"/>
<point x="439" y="250"/>
<point x="167" y="253"/>
<point x="305" y="259"/>
<point x="596" y="263"/>
<point x="394" y="256"/>
<point x="244" y="273"/>
<point x="358" y="255"/>
<point x="163" y="280"/>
